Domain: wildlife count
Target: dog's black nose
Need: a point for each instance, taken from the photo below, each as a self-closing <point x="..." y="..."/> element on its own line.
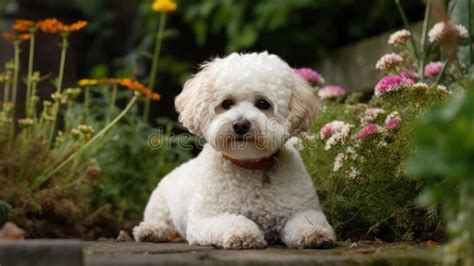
<point x="241" y="127"/>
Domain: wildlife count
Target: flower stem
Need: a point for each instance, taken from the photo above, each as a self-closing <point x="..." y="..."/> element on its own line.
<point x="87" y="96"/>
<point x="16" y="72"/>
<point x="29" y="78"/>
<point x="407" y="26"/>
<point x="6" y="91"/>
<point x="440" y="76"/>
<point x="91" y="141"/>
<point x="424" y="53"/>
<point x="34" y="86"/>
<point x="113" y="99"/>
<point x="64" y="46"/>
<point x="154" y="66"/>
<point x="59" y="82"/>
<point x="469" y="26"/>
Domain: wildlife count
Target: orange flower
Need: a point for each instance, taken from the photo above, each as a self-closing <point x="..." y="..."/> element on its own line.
<point x="50" y="25"/>
<point x="127" y="83"/>
<point x="22" y="25"/>
<point x="154" y="96"/>
<point x="53" y="25"/>
<point x="16" y="37"/>
<point x="74" y="27"/>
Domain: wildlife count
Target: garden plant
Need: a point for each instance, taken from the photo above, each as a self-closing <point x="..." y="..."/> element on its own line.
<point x="394" y="164"/>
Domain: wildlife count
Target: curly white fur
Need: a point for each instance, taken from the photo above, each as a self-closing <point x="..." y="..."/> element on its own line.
<point x="211" y="201"/>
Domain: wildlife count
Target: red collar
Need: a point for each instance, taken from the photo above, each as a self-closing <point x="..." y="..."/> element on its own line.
<point x="263" y="164"/>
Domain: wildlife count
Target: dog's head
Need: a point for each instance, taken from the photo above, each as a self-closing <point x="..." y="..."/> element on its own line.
<point x="247" y="105"/>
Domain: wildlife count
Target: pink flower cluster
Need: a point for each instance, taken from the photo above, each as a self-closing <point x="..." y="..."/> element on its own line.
<point x="388" y="61"/>
<point x="335" y="132"/>
<point x="406" y="74"/>
<point x="368" y="129"/>
<point x="443" y="31"/>
<point x="392" y="121"/>
<point x="391" y="83"/>
<point x="433" y="69"/>
<point x="331" y="91"/>
<point x="398" y="38"/>
<point x="313" y="77"/>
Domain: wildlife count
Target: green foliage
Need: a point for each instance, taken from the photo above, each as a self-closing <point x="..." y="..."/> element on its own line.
<point x="444" y="160"/>
<point x="370" y="195"/>
<point x="5" y="210"/>
<point x="132" y="167"/>
<point x="246" y="23"/>
<point x="130" y="164"/>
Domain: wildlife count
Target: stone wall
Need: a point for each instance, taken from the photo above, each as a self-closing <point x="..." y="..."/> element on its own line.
<point x="353" y="66"/>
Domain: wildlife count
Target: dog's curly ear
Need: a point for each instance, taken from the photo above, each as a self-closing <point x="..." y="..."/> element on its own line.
<point x="190" y="103"/>
<point x="304" y="106"/>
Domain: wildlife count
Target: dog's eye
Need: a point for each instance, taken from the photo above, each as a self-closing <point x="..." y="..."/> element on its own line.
<point x="227" y="104"/>
<point x="262" y="104"/>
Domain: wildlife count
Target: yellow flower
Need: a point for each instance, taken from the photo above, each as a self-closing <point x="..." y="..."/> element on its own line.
<point x="87" y="82"/>
<point x="164" y="6"/>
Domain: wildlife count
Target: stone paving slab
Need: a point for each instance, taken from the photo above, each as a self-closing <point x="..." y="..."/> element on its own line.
<point x="131" y="253"/>
<point x="40" y="253"/>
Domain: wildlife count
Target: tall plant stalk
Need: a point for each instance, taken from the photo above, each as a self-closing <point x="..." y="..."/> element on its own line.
<point x="16" y="72"/>
<point x="154" y="66"/>
<point x="469" y="27"/>
<point x="59" y="82"/>
<point x="113" y="99"/>
<point x="29" y="78"/>
<point x="440" y="76"/>
<point x="34" y="86"/>
<point x="423" y="47"/>
<point x="6" y="91"/>
<point x="87" y="97"/>
<point x="97" y="137"/>
<point x="407" y="26"/>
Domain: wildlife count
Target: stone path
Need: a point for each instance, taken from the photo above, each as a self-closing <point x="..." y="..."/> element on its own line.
<point x="130" y="253"/>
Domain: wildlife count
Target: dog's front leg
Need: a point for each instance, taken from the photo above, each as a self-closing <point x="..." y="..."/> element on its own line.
<point x="229" y="231"/>
<point x="308" y="229"/>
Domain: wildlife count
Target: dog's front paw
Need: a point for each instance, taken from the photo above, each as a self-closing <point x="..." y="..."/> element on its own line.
<point x="156" y="233"/>
<point x="244" y="240"/>
<point x="316" y="237"/>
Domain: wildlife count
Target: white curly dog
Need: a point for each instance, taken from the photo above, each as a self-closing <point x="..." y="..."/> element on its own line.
<point x="247" y="187"/>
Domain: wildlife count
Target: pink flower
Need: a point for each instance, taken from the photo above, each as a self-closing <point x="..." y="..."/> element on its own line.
<point x="392" y="121"/>
<point x="445" y="31"/>
<point x="409" y="75"/>
<point x="313" y="77"/>
<point x="331" y="91"/>
<point x="398" y="38"/>
<point x="433" y="69"/>
<point x="388" y="61"/>
<point x="367" y="130"/>
<point x="391" y="83"/>
<point x="326" y="131"/>
<point x="371" y="114"/>
<point x="335" y="132"/>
